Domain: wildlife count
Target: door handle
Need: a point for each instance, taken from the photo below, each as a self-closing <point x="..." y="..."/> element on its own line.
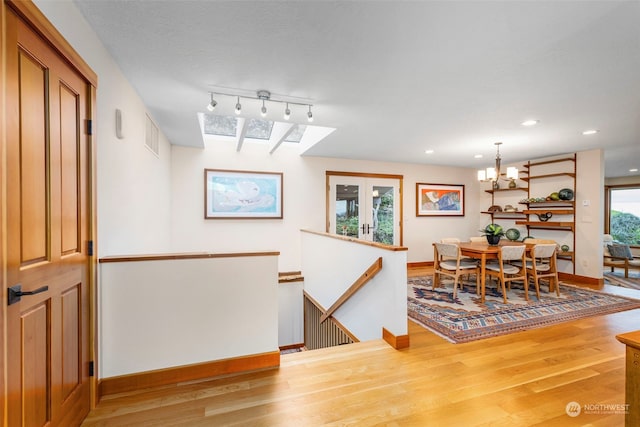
<point x="16" y="292"/>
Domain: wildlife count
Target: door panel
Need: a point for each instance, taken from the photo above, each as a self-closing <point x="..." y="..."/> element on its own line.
<point x="69" y="151"/>
<point x="48" y="209"/>
<point x="32" y="159"/>
<point x="34" y="365"/>
<point x="345" y="197"/>
<point x="71" y="366"/>
<point x="383" y="210"/>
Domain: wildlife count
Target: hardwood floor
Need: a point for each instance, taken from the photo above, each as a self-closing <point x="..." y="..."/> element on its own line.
<point x="522" y="379"/>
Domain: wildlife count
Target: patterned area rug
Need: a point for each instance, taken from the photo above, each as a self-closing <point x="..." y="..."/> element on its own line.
<point x="467" y="319"/>
<point x="618" y="279"/>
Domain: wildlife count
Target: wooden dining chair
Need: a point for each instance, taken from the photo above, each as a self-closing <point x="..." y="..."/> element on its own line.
<point x="456" y="241"/>
<point x="506" y="272"/>
<point x="448" y="262"/>
<point x="542" y="265"/>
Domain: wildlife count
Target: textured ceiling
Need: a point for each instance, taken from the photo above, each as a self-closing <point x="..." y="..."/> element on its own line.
<point x="395" y="78"/>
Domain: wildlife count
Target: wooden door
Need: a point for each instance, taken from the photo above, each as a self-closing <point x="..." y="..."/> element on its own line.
<point x="48" y="229"/>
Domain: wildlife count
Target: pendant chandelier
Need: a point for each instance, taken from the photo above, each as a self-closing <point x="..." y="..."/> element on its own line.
<point x="493" y="174"/>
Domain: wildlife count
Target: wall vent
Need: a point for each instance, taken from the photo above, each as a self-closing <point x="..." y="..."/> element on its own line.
<point x="151" y="137"/>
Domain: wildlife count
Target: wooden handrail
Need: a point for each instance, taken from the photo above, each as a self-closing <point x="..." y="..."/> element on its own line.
<point x="176" y="256"/>
<point x="360" y="282"/>
<point x="392" y="248"/>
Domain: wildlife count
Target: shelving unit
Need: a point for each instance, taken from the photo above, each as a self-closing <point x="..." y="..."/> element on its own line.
<point x="505" y="215"/>
<point x="564" y="171"/>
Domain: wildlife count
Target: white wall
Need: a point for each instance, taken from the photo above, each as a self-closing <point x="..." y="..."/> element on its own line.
<point x="304" y="201"/>
<point x="589" y="213"/>
<point x="165" y="313"/>
<point x="331" y="265"/>
<point x="133" y="197"/>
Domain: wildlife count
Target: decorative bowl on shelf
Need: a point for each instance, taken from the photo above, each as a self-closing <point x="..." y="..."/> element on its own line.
<point x="495" y="208"/>
<point x="564" y="248"/>
<point x="509" y="208"/>
<point x="565" y="194"/>
<point x="512" y="234"/>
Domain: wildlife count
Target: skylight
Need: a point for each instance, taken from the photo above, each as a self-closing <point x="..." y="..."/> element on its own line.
<point x="237" y="129"/>
<point x="259" y="129"/>
<point x="220" y="125"/>
<point x="296" y="134"/>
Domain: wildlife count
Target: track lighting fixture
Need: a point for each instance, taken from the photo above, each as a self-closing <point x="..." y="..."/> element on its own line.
<point x="264" y="96"/>
<point x="212" y="104"/>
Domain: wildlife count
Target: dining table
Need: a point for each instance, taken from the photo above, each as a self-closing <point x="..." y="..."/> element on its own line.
<point x="484" y="251"/>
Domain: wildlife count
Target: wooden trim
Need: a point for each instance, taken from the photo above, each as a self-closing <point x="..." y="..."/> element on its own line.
<point x="420" y="264"/>
<point x="364" y="278"/>
<point x="289" y="273"/>
<point x="3" y="222"/>
<point x="547" y="162"/>
<point x="358" y="241"/>
<point x="364" y="175"/>
<point x="291" y="346"/>
<point x="397" y="342"/>
<point x="30" y="13"/>
<point x="290" y="279"/>
<point x="94" y="354"/>
<point x="175" y="375"/>
<point x="584" y="281"/>
<point x="194" y="255"/>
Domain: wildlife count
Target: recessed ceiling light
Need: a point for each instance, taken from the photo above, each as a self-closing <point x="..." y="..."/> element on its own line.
<point x="428" y="151"/>
<point x="590" y="132"/>
<point x="530" y="122"/>
<point x="633" y="170"/>
<point x="477" y="156"/>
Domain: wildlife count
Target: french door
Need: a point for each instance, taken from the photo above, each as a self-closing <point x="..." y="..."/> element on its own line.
<point x="366" y="207"/>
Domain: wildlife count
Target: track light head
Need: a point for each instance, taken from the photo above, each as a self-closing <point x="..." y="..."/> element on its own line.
<point x="287" y="112"/>
<point x="263" y="110"/>
<point x="310" y="115"/>
<point x="212" y="104"/>
<point x="238" y="106"/>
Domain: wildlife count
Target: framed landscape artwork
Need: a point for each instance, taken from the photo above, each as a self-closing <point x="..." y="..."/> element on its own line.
<point x="232" y="194"/>
<point x="439" y="200"/>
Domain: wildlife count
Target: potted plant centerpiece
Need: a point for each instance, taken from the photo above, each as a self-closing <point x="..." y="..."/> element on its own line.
<point x="493" y="232"/>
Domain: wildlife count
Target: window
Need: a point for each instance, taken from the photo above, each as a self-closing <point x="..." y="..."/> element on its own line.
<point x="151" y="137"/>
<point x="623" y="217"/>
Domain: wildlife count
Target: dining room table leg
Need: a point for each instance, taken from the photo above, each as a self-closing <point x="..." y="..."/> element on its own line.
<point x="483" y="264"/>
